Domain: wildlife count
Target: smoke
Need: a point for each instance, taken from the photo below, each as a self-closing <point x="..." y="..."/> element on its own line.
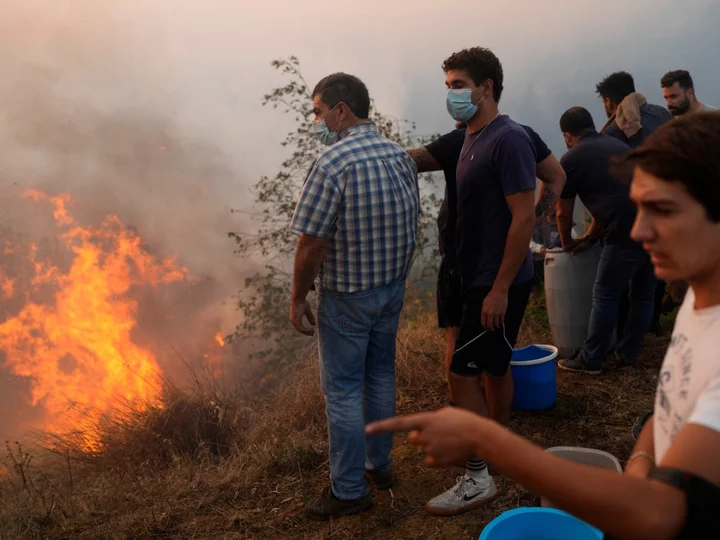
<point x="84" y="110"/>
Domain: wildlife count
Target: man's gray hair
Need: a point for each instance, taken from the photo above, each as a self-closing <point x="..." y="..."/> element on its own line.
<point x="346" y="88"/>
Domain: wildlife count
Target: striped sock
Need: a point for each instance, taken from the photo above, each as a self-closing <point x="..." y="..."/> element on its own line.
<point x="476" y="468"/>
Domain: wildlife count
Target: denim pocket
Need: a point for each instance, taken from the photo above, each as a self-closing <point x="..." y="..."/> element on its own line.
<point x="394" y="302"/>
<point x="352" y="314"/>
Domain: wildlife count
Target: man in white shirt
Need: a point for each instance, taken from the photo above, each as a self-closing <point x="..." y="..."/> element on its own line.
<point x="671" y="485"/>
<point x="679" y="93"/>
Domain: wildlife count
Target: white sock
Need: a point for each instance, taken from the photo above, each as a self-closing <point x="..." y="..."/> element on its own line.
<point x="476" y="469"/>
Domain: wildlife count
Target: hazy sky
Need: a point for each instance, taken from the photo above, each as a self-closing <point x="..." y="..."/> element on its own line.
<point x="156" y="104"/>
<point x="207" y="63"/>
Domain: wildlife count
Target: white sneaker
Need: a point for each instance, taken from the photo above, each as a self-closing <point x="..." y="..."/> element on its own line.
<point x="468" y="494"/>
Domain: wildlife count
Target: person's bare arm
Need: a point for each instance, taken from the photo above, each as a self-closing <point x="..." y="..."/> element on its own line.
<point x="622" y="505"/>
<point x="424" y="159"/>
<point x="643" y="453"/>
<point x="516" y="246"/>
<point x="565" y="209"/>
<point x="594" y="231"/>
<point x="518" y="238"/>
<point x="552" y="181"/>
<point x="308" y="259"/>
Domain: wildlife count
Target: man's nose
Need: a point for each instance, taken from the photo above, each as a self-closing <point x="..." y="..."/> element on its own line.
<point x="642" y="229"/>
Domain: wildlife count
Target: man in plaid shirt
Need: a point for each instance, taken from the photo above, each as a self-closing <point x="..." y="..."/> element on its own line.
<point x="357" y="220"/>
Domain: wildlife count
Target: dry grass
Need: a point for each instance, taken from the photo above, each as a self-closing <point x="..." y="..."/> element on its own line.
<point x="209" y="465"/>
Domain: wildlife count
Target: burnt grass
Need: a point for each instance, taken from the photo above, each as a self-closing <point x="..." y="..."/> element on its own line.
<point x="216" y="464"/>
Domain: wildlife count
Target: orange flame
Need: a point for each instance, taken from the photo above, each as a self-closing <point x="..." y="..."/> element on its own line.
<point x="7" y="286"/>
<point x="77" y="348"/>
<point x="219" y="339"/>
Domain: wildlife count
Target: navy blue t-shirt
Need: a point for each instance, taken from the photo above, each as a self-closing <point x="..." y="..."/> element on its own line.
<point x="494" y="163"/>
<point x="446" y="151"/>
<point x="651" y="118"/>
<point x="587" y="168"/>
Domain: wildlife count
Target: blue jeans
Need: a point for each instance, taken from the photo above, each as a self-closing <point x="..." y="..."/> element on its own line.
<point x="356" y="334"/>
<point x="620" y="265"/>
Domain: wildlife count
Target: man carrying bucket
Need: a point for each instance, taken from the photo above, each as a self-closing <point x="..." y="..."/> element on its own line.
<point x="671" y="485"/>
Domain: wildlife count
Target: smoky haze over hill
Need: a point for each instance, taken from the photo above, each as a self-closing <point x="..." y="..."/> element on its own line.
<point x="151" y="109"/>
<point x="80" y="113"/>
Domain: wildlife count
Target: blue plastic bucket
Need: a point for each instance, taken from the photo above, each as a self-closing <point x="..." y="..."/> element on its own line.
<point x="533" y="370"/>
<point x="539" y="524"/>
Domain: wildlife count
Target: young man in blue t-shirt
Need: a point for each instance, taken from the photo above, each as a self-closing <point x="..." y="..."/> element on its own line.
<point x="443" y="155"/>
<point x="495" y="218"/>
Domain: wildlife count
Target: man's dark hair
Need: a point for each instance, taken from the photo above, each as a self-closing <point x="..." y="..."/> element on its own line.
<point x="616" y="87"/>
<point x="346" y="88"/>
<point x="679" y="76"/>
<point x="481" y="64"/>
<point x="577" y="121"/>
<point x="684" y="151"/>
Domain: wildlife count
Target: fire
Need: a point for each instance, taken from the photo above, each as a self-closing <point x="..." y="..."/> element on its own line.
<point x="7" y="286"/>
<point x="74" y="343"/>
<point x="214" y="355"/>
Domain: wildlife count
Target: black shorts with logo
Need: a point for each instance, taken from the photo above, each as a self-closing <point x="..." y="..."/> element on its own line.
<point x="479" y="350"/>
<point x="449" y="295"/>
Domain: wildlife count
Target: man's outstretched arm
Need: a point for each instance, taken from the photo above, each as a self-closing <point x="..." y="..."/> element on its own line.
<point x="424" y="159"/>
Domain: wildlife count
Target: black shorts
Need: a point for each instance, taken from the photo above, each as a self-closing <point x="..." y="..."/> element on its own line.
<point x="478" y="350"/>
<point x="449" y="295"/>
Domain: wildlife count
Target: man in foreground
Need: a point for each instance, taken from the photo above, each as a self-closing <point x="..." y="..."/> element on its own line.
<point x="357" y="220"/>
<point x="495" y="219"/>
<point x="679" y="93"/>
<point x="671" y="485"/>
<point x="623" y="261"/>
<point x="443" y="154"/>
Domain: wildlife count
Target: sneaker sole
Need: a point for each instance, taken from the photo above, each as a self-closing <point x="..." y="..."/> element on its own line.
<point x="447" y="512"/>
<point x="573" y="370"/>
<point x="344" y="513"/>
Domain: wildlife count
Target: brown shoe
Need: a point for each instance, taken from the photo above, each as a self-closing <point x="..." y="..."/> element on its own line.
<point x="328" y="506"/>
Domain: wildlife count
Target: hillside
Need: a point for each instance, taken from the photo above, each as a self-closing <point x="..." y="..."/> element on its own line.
<point x="211" y="464"/>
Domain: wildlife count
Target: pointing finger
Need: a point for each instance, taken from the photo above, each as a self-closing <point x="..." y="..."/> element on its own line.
<point x="400" y="423"/>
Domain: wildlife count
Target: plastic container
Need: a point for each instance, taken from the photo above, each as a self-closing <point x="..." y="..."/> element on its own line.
<point x="588" y="456"/>
<point x="539" y="524"/>
<point x="569" y="281"/>
<point x="533" y="370"/>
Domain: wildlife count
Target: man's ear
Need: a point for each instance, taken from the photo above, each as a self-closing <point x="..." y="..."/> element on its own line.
<point x="343" y="110"/>
<point x="490" y="86"/>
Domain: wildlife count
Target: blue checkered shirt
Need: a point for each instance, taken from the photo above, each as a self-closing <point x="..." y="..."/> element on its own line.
<point x="362" y="195"/>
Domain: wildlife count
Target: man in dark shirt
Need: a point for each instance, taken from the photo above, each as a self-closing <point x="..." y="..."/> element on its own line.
<point x="443" y="154"/>
<point x="495" y="218"/>
<point x="631" y="118"/>
<point x="623" y="261"/>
